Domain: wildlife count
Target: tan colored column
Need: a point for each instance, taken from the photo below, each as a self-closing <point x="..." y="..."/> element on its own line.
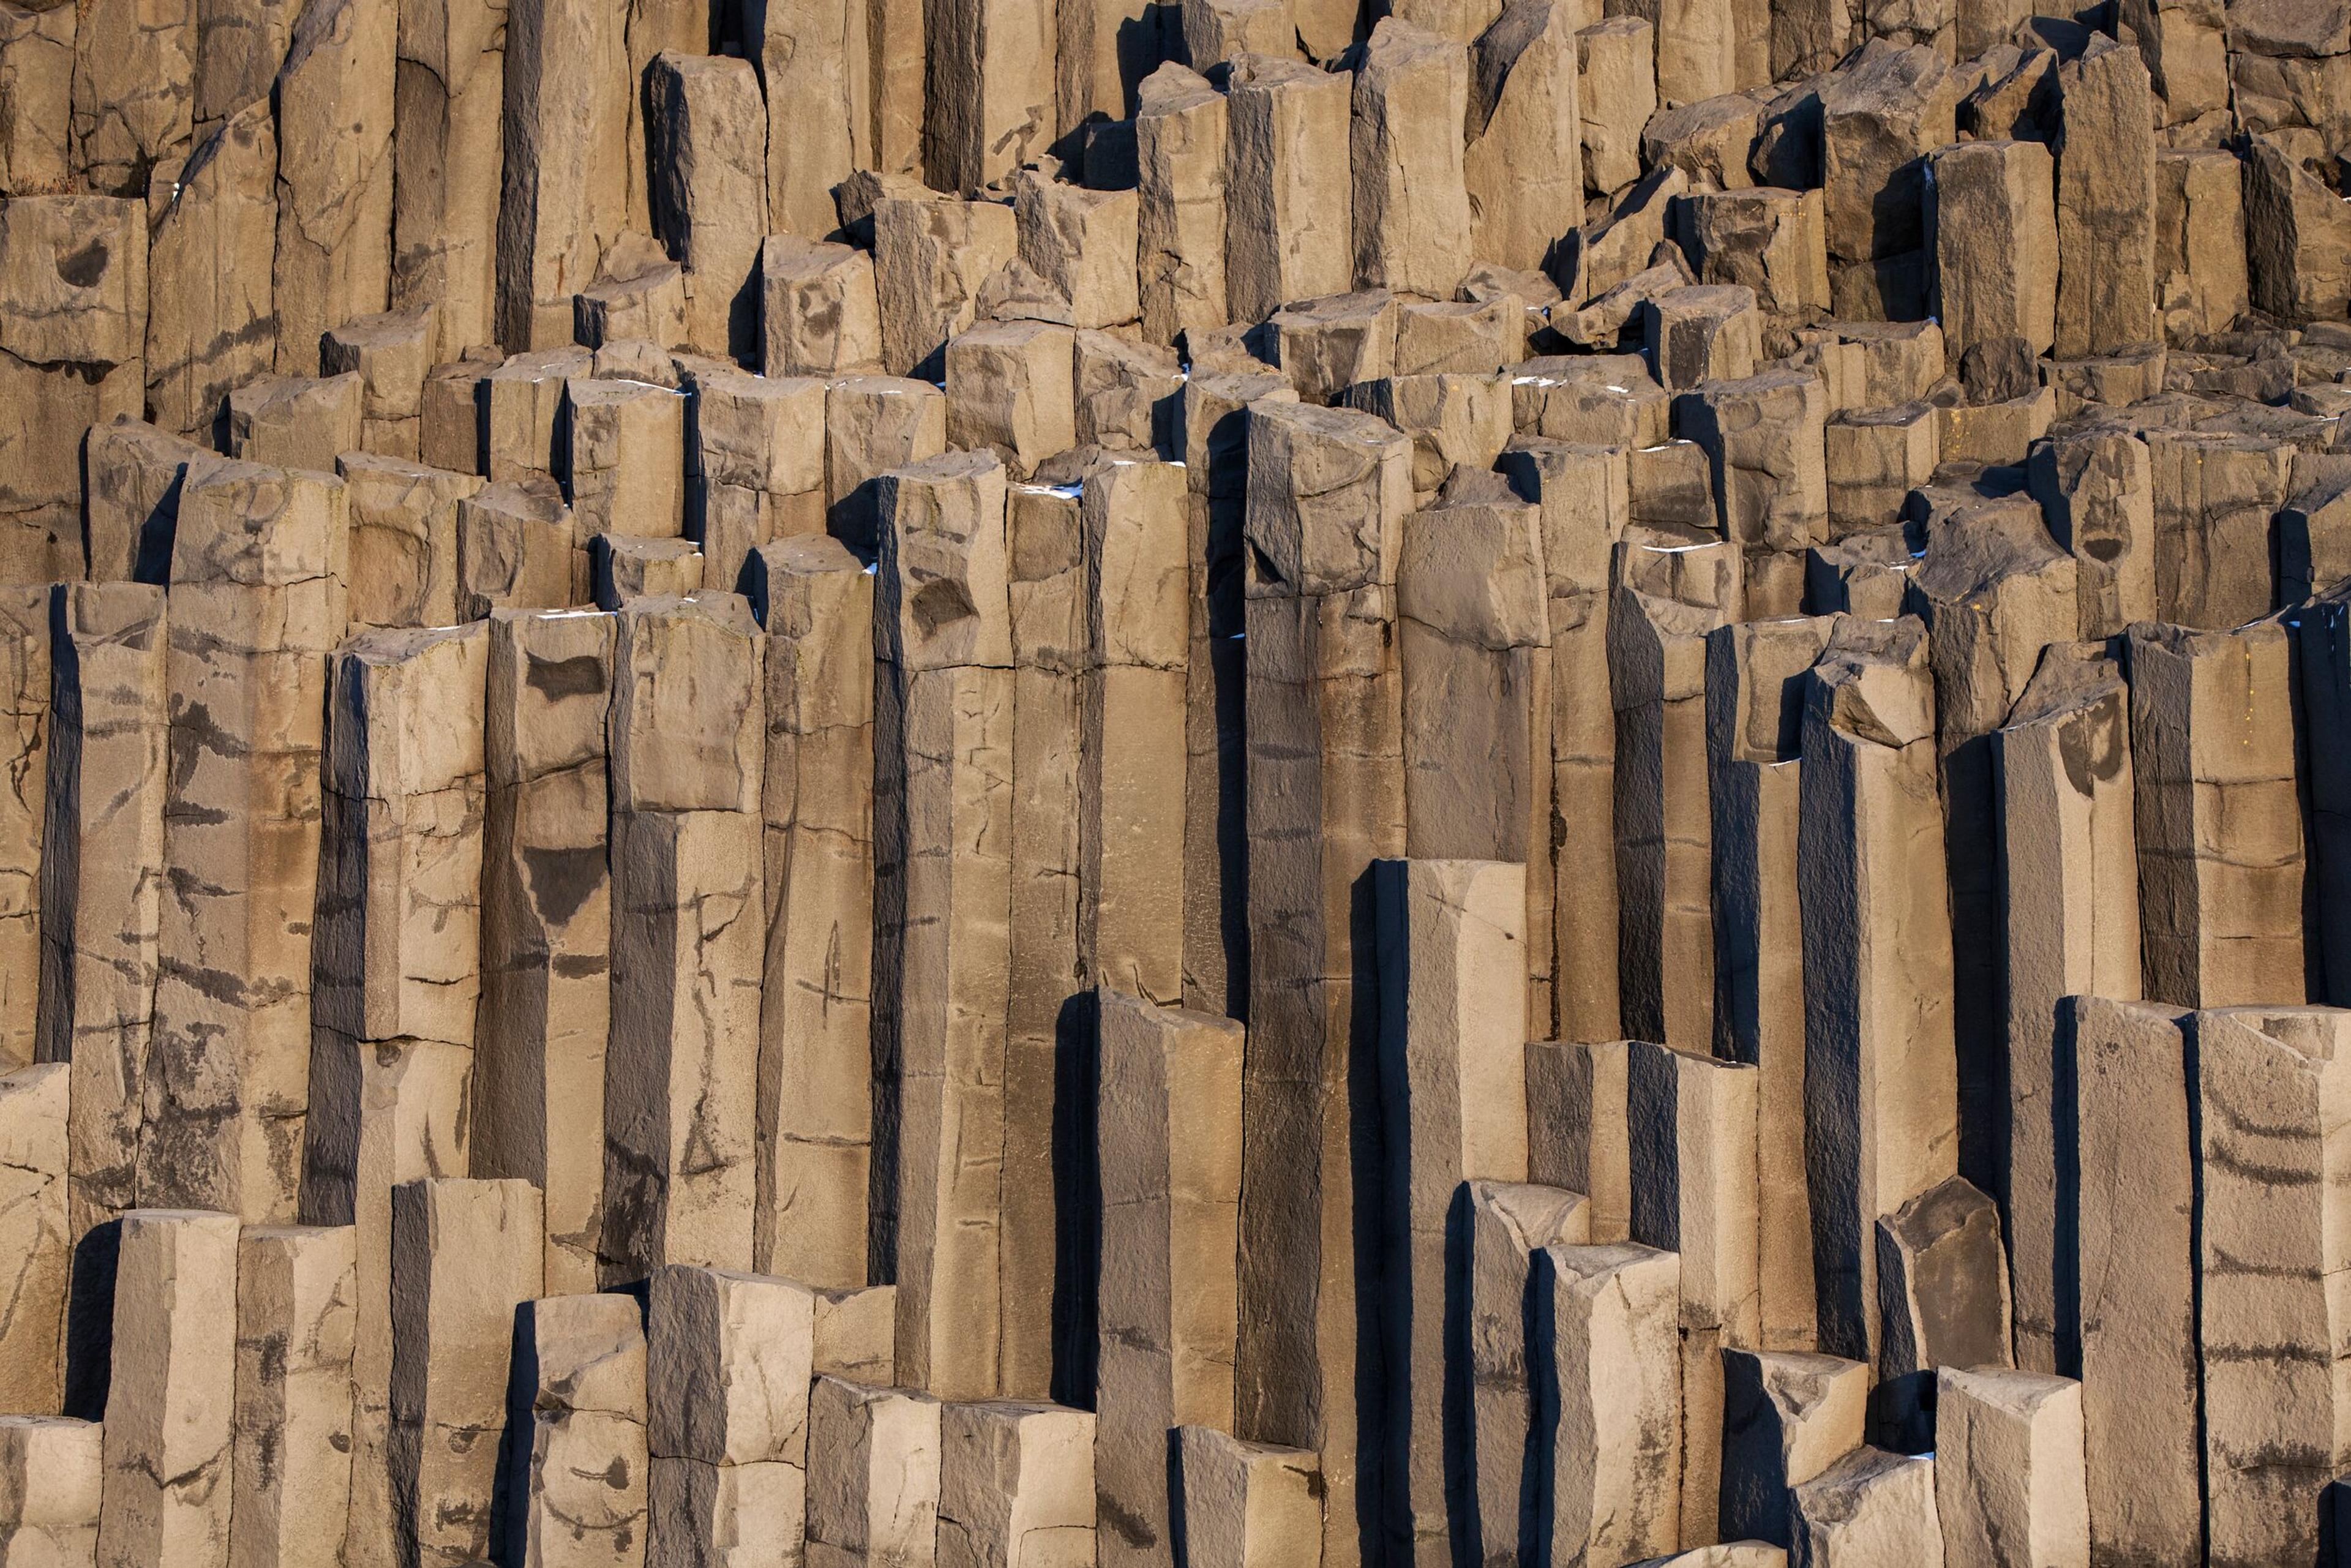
<point x="51" y="1471"/>
<point x="1169" y="1130"/>
<point x="1180" y="133"/>
<point x="466" y="1255"/>
<point x="1787" y="1415"/>
<point x="576" y="1479"/>
<point x="1287" y="187"/>
<point x="1614" y="1360"/>
<point x="1880" y="1077"/>
<point x="816" y="1090"/>
<point x="568" y="91"/>
<point x="729" y="1360"/>
<point x="448" y="167"/>
<point x="171" y="1402"/>
<point x="256" y="607"/>
<point x="1328" y="491"/>
<point x="1248" y="1505"/>
<point x="102" y="878"/>
<point x="546" y="926"/>
<point x="2220" y="856"/>
<point x="2070" y="919"/>
<point x="874" y="1475"/>
<point x="1451" y="949"/>
<point x="688" y="740"/>
<point x="989" y="102"/>
<point x="334" y="174"/>
<point x="1507" y="1224"/>
<point x="34" y="1189"/>
<point x="1016" y="1484"/>
<point x="942" y="748"/>
<point x="296" y="1294"/>
<point x="2008" y="1468"/>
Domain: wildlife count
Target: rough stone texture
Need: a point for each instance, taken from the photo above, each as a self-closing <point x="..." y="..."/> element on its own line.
<point x="2009" y="1479"/>
<point x="1288" y="197"/>
<point x="297" y="1326"/>
<point x="1248" y="1505"/>
<point x="576" y="1474"/>
<point x="1015" y="1486"/>
<point x="51" y="1471"/>
<point x="1787" y="1415"/>
<point x="34" y="1138"/>
<point x="873" y="1474"/>
<point x="1168" y="1122"/>
<point x="1869" y="1507"/>
<point x="169" y="1450"/>
<point x="1607" y="1344"/>
<point x="336" y="103"/>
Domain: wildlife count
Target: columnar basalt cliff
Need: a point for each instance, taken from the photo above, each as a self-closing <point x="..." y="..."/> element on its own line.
<point x="1132" y="784"/>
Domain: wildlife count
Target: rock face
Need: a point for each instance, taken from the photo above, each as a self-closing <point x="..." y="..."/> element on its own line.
<point x="1259" y="783"/>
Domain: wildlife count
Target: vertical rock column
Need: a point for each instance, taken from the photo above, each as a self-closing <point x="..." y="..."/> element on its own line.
<point x="2220" y="861"/>
<point x="448" y="122"/>
<point x="1288" y="192"/>
<point x="2268" y="1085"/>
<point x="2125" y="1285"/>
<point x="989" y="101"/>
<point x="1046" y="590"/>
<point x="1181" y="129"/>
<point x="816" y="1090"/>
<point x="102" y="878"/>
<point x="336" y="99"/>
<point x="34" y="1144"/>
<point x="1328" y="491"/>
<point x="1608" y="1350"/>
<point x="681" y="1068"/>
<point x="729" y="1362"/>
<point x="1755" y="687"/>
<point x="1881" y="1088"/>
<point x="296" y="1290"/>
<point x="1473" y="640"/>
<point x="943" y="740"/>
<point x="1585" y="497"/>
<point x="2106" y="208"/>
<point x="2070" y="919"/>
<point x="546" y="926"/>
<point x="562" y="198"/>
<point x="465" y="1256"/>
<point x="1169" y="1124"/>
<point x="576" y="1453"/>
<point x="171" y="1405"/>
<point x="257" y="605"/>
<point x="811" y="56"/>
<point x="1452" y="1071"/>
<point x="1132" y="781"/>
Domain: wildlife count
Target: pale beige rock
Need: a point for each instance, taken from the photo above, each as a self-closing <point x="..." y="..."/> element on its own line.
<point x="297" y="421"/>
<point x="815" y="1090"/>
<point x="1473" y="639"/>
<point x="397" y="944"/>
<point x="812" y="58"/>
<point x="759" y="453"/>
<point x="51" y="1470"/>
<point x="1988" y="204"/>
<point x="1617" y="1449"/>
<point x="1248" y="1505"/>
<point x="576" y="1480"/>
<point x="1015" y="1486"/>
<point x="391" y="354"/>
<point x="171" y="1399"/>
<point x="2132" y="1329"/>
<point x="1327" y="494"/>
<point x="465" y="1256"/>
<point x="709" y="193"/>
<point x="1787" y="1415"/>
<point x="102" y="879"/>
<point x="1507" y="1223"/>
<point x="2107" y="206"/>
<point x="566" y="130"/>
<point x="1411" y="212"/>
<point x="1455" y="421"/>
<point x="523" y="412"/>
<point x="1180" y="133"/>
<point x="931" y="257"/>
<point x="1616" y="92"/>
<point x="515" y="549"/>
<point x="1881" y="114"/>
<point x="132" y="473"/>
<point x="1869" y="1507"/>
<point x="2199" y="242"/>
<point x="1942" y="1301"/>
<point x="819" y="312"/>
<point x="1460" y="337"/>
<point x="213" y="237"/>
<point x="1289" y="202"/>
<point x="1876" y="457"/>
<point x="873" y="424"/>
<point x="989" y="97"/>
<point x="627" y="458"/>
<point x="546" y="925"/>
<point x="71" y="355"/>
<point x="335" y="105"/>
<point x="623" y="570"/>
<point x="1576" y="1102"/>
<point x="2215" y="494"/>
<point x="2220" y="852"/>
<point x="404" y="541"/>
<point x="1128" y="395"/>
<point x="1451" y="951"/>
<point x="1770" y="240"/>
<point x="682" y="1063"/>
<point x="873" y="1475"/>
<point x="1169" y="1127"/>
<point x="134" y="89"/>
<point x="27" y="700"/>
<point x="297" y="1323"/>
<point x="2008" y="1483"/>
<point x="942" y="808"/>
<point x="37" y="65"/>
<point x="257" y="603"/>
<point x="33" y="1141"/>
<point x="1081" y="245"/>
<point x="1880" y="1092"/>
<point x="1693" y="1126"/>
<point x="649" y="305"/>
<point x="1326" y="345"/>
<point x="448" y="169"/>
<point x="1011" y="388"/>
